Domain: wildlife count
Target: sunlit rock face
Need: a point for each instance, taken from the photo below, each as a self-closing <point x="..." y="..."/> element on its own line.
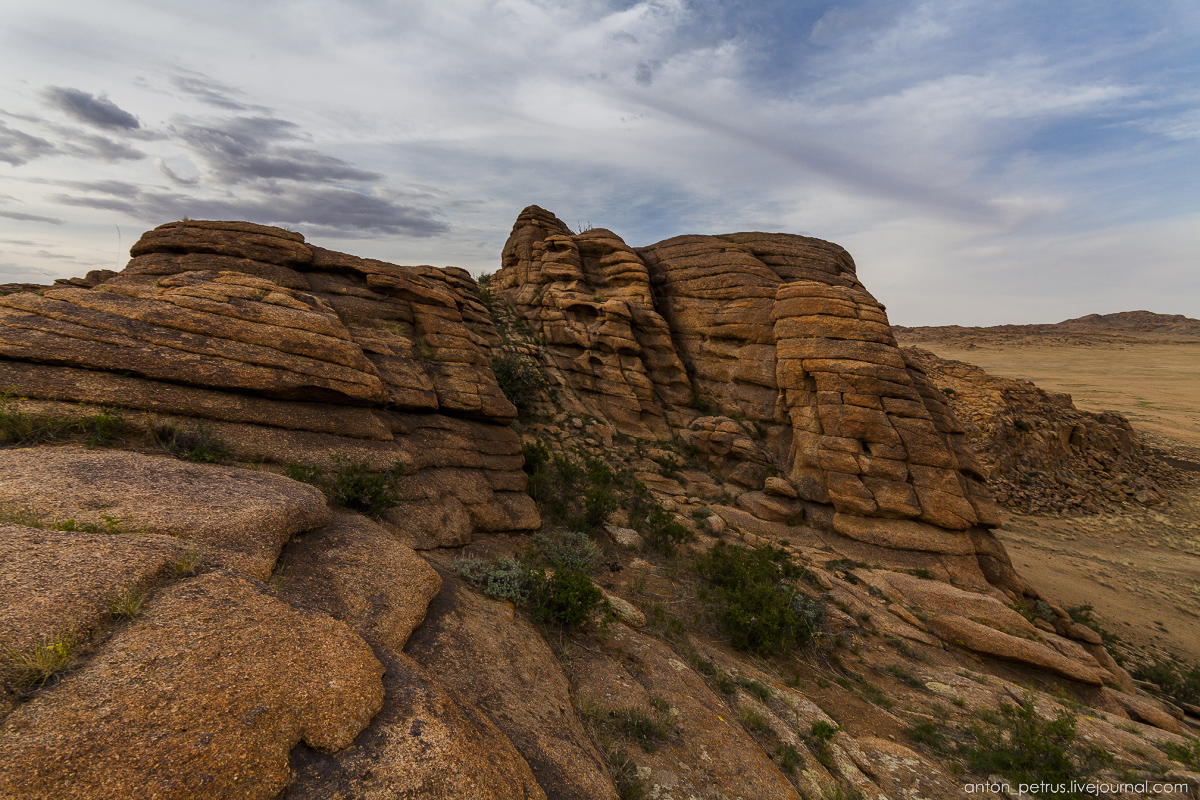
<point x="292" y="354"/>
<point x="768" y="355"/>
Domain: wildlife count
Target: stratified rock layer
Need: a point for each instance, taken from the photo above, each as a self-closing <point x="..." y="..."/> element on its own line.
<point x="288" y="352"/>
<point x="700" y="337"/>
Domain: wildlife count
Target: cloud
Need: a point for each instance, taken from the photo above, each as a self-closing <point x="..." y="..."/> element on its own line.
<point x="17" y="215"/>
<point x="324" y="210"/>
<point x="17" y="147"/>
<point x="86" y="107"/>
<point x="245" y="149"/>
<point x="211" y="92"/>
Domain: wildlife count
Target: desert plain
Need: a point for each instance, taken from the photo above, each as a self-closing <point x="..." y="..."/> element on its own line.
<point x="1139" y="567"/>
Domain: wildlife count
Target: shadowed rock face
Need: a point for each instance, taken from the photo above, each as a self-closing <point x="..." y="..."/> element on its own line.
<point x="291" y="354"/>
<point x="687" y="337"/>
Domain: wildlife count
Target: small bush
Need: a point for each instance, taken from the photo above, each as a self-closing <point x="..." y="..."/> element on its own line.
<point x="564" y="599"/>
<point x="568" y="550"/>
<point x="905" y="676"/>
<point x="359" y="487"/>
<point x="753" y="720"/>
<point x="789" y="758"/>
<point x="1180" y="685"/>
<point x="504" y="579"/>
<point x="756" y="688"/>
<point x="669" y="466"/>
<point x="753" y="600"/>
<point x="1187" y="754"/>
<point x="519" y="378"/>
<point x="927" y="733"/>
<point x="1019" y="745"/>
<point x="299" y="472"/>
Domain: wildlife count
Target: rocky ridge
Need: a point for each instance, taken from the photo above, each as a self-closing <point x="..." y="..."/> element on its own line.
<point x="1039" y="452"/>
<point x="223" y="633"/>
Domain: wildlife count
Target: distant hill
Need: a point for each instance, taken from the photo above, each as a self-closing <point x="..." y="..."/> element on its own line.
<point x="1142" y="321"/>
<point x="1123" y="325"/>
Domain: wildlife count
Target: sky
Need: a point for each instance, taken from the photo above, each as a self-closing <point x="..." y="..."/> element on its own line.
<point x="985" y="162"/>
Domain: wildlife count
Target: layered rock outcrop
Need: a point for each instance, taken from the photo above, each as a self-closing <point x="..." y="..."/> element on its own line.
<point x="765" y="353"/>
<point x="293" y="354"/>
<point x="1040" y="453"/>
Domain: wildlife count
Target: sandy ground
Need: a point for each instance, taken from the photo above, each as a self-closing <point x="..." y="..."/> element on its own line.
<point x="1140" y="569"/>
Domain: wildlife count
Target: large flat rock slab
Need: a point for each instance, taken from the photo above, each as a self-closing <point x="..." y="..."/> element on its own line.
<point x="240" y="517"/>
<point x="205" y="695"/>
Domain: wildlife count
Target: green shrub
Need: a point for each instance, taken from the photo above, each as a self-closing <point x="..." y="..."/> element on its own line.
<point x="756" y="688"/>
<point x="299" y="472"/>
<point x="564" y="599"/>
<point x="519" y="378"/>
<point x="753" y="600"/>
<point x="1018" y="744"/>
<point x="359" y="487"/>
<point x="753" y="720"/>
<point x="789" y="758"/>
<point x="1186" y="754"/>
<point x="1182" y="686"/>
<point x="927" y="733"/>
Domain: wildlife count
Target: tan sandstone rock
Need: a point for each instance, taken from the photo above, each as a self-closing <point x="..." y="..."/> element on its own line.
<point x="205" y="695"/>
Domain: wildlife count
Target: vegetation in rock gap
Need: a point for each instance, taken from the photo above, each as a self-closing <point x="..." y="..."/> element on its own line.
<point x="24" y="429"/>
<point x="519" y="378"/>
<point x="39" y="664"/>
<point x="580" y="492"/>
<point x="1018" y="744"/>
<point x="753" y="598"/>
<point x="199" y="444"/>
<point x="361" y="488"/>
<point x="563" y="598"/>
<point x="1177" y="682"/>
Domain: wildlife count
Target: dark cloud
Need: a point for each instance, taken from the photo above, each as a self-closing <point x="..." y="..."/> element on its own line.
<point x="93" y="147"/>
<point x="247" y="149"/>
<point x="115" y="188"/>
<point x="324" y="210"/>
<point x="211" y="92"/>
<point x="86" y="107"/>
<point x="17" y="215"/>
<point x="17" y="147"/>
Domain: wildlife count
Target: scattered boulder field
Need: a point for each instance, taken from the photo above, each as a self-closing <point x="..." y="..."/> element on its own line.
<point x="664" y="522"/>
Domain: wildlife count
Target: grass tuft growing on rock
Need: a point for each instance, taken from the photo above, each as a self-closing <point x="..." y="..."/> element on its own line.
<point x="24" y="429"/>
<point x="34" y="667"/>
<point x="197" y="444"/>
<point x="128" y="603"/>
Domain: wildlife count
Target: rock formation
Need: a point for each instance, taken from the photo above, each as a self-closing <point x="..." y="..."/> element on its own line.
<point x="293" y="354"/>
<point x="187" y="630"/>
<point x="766" y="353"/>
<point x="1038" y="451"/>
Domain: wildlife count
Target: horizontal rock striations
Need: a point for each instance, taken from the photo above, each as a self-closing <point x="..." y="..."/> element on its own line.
<point x="766" y="354"/>
<point x="291" y="353"/>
